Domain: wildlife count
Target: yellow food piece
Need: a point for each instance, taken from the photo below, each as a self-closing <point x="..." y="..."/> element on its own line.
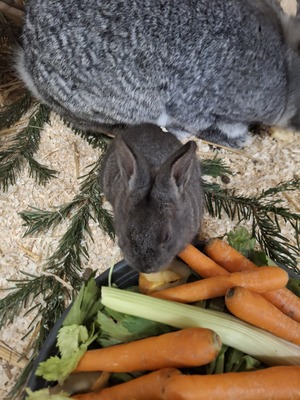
<point x="175" y="274"/>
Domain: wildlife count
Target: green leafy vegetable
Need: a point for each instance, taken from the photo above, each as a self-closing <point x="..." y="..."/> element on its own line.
<point x="44" y="394"/>
<point x="70" y="338"/>
<point x="73" y="341"/>
<point x="238" y="361"/>
<point x="117" y="327"/>
<point x="86" y="305"/>
<point x="232" y="360"/>
<point x="259" y="258"/>
<point x="294" y="285"/>
<point x="241" y="240"/>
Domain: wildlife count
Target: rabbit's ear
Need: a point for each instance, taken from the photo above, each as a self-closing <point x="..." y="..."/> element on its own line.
<point x="182" y="163"/>
<point x="177" y="169"/>
<point x="133" y="167"/>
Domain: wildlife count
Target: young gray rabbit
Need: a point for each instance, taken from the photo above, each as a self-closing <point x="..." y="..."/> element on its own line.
<point x="153" y="183"/>
<point x="208" y="68"/>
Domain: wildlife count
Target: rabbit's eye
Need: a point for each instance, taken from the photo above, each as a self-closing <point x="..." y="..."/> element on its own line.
<point x="165" y="237"/>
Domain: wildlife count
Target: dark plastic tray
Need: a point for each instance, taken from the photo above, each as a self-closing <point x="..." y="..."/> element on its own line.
<point x="123" y="276"/>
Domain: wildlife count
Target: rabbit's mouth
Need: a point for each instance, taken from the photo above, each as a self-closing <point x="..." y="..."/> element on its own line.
<point x="147" y="267"/>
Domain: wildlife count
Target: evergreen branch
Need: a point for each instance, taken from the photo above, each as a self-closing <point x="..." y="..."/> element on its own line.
<point x="89" y="196"/>
<point x="292" y="185"/>
<point x="38" y="220"/>
<point x="266" y="216"/>
<point x="97" y="140"/>
<point x="24" y="293"/>
<point x="12" y="113"/>
<point x="39" y="172"/>
<point x="67" y="260"/>
<point x="23" y="146"/>
<point x="55" y="299"/>
<point x="214" y="168"/>
<point x="18" y="388"/>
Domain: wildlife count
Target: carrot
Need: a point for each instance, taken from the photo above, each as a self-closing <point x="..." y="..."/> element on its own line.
<point x="274" y="383"/>
<point x="146" y="387"/>
<point x="286" y="301"/>
<point x="186" y="347"/>
<point x="259" y="280"/>
<point x="256" y="310"/>
<point x="227" y="257"/>
<point x="200" y="263"/>
<point x="233" y="261"/>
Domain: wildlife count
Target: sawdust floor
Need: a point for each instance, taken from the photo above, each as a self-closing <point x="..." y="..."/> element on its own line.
<point x="269" y="160"/>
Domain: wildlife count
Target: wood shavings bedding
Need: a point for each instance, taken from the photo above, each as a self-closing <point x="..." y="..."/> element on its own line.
<point x="269" y="160"/>
<point x="266" y="162"/>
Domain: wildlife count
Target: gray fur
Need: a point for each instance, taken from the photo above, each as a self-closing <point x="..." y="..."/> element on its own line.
<point x="154" y="185"/>
<point x="195" y="65"/>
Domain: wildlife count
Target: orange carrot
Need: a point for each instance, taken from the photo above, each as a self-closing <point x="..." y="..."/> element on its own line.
<point x="200" y="263"/>
<point x="256" y="310"/>
<point x="225" y="255"/>
<point x="276" y="383"/>
<point x="259" y="280"/>
<point x="286" y="301"/>
<point x="146" y="387"/>
<point x="183" y="348"/>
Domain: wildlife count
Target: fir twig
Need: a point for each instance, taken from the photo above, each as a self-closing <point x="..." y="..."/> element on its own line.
<point x="12" y="113"/>
<point x="215" y="167"/>
<point x="45" y="293"/>
<point x="267" y="215"/>
<point x="22" y="149"/>
<point x="88" y="202"/>
<point x="97" y="140"/>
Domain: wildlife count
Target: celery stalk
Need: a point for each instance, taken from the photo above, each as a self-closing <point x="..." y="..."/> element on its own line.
<point x="256" y="342"/>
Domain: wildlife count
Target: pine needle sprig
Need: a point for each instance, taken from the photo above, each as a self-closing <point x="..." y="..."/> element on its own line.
<point x="26" y="296"/>
<point x="89" y="201"/>
<point x="215" y="168"/>
<point x="23" y="295"/>
<point x="12" y="113"/>
<point x="21" y="150"/>
<point x="40" y="172"/>
<point x="267" y="215"/>
<point x="97" y="140"/>
<point x="67" y="260"/>
<point x="287" y="186"/>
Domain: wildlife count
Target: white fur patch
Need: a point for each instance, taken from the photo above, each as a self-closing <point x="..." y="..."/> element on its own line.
<point x="25" y="75"/>
<point x="163" y="119"/>
<point x="233" y="130"/>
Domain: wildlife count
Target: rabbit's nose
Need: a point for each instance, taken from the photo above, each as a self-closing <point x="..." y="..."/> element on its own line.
<point x="148" y="269"/>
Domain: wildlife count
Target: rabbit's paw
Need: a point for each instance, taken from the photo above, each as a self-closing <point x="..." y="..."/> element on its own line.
<point x="230" y="135"/>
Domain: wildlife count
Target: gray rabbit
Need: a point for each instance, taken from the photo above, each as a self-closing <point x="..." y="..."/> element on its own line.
<point x="154" y="185"/>
<point x="209" y="68"/>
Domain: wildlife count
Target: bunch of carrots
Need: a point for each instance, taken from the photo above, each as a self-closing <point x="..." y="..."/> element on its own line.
<point x="254" y="294"/>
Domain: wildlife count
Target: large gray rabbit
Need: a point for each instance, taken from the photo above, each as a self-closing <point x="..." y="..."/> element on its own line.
<point x="208" y="68"/>
<point x="154" y="185"/>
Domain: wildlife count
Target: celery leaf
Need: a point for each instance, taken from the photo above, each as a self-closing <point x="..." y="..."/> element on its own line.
<point x="70" y="338"/>
<point x="44" y="394"/>
<point x="86" y="304"/>
<point x="294" y="286"/>
<point x="241" y="240"/>
<point x="116" y="327"/>
<point x="73" y="342"/>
